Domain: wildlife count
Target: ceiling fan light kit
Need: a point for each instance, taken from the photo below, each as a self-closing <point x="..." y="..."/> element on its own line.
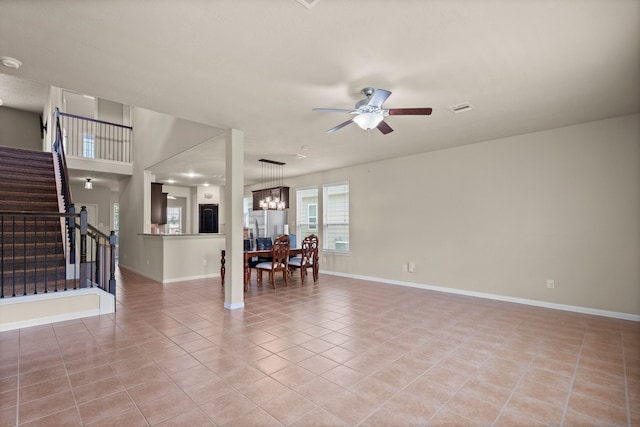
<point x="368" y="121"/>
<point x="369" y="113"/>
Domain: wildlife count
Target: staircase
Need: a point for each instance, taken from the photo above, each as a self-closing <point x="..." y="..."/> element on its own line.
<point x="31" y="241"/>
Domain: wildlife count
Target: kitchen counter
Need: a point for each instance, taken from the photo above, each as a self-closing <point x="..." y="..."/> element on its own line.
<point x="176" y="257"/>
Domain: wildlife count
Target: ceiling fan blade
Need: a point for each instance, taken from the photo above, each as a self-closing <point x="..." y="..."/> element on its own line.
<point x="340" y="126"/>
<point x="384" y="127"/>
<point x="378" y="97"/>
<point x="332" y="110"/>
<point x="410" y="111"/>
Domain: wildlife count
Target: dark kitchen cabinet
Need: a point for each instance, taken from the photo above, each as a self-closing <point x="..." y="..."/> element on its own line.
<point x="158" y="204"/>
<point x="208" y="218"/>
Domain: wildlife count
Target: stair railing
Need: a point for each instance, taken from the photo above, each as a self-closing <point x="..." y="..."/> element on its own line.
<point x="29" y="266"/>
<point x="31" y="260"/>
<point x="65" y="189"/>
<point x="97" y="257"/>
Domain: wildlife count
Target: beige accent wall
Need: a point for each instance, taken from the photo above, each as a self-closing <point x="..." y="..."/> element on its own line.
<point x="504" y="216"/>
<point x="32" y="310"/>
<point x="20" y="129"/>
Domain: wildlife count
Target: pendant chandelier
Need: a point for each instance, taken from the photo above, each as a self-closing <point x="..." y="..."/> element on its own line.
<point x="273" y="195"/>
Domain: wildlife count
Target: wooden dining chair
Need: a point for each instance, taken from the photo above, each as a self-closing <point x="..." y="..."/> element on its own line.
<point x="279" y="258"/>
<point x="308" y="258"/>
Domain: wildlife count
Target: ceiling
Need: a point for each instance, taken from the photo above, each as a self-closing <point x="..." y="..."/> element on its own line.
<point x="261" y="66"/>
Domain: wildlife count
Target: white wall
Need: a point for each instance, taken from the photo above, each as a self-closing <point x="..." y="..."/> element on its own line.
<point x="503" y="216"/>
<point x="499" y="217"/>
<point x="101" y="196"/>
<point x="157" y="138"/>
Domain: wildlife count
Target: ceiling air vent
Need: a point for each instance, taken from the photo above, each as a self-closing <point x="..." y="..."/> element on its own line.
<point x="460" y="108"/>
<point x="308" y="3"/>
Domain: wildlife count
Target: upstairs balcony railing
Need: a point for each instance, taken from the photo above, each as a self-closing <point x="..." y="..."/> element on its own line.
<point x="95" y="139"/>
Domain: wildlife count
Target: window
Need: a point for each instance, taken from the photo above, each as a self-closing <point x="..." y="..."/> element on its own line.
<point x="306" y="212"/>
<point x="312" y="216"/>
<point x="88" y="146"/>
<point x="116" y="218"/>
<point x="335" y="200"/>
<point x="246" y="208"/>
<point x="174" y="220"/>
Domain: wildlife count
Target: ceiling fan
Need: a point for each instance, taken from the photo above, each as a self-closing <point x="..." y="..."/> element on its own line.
<point x="369" y="113"/>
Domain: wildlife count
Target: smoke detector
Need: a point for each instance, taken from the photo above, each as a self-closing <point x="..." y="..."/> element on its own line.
<point x="10" y="62"/>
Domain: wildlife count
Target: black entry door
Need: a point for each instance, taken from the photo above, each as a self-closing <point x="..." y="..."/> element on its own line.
<point x="208" y="219"/>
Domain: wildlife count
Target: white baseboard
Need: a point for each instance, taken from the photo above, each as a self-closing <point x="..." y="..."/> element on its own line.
<point x="496" y="297"/>
<point x="183" y="279"/>
<point x="133" y="270"/>
<point x="233" y="306"/>
<point x="177" y="279"/>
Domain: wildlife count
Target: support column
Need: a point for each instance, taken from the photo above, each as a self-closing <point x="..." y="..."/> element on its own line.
<point x="234" y="192"/>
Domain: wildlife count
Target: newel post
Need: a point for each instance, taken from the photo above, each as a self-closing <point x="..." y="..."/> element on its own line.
<point x="83" y="248"/>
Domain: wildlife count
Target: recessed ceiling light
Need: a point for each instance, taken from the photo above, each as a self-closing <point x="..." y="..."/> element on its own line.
<point x="308" y="3"/>
<point x="191" y="174"/>
<point x="206" y="184"/>
<point x="299" y="156"/>
<point x="171" y="181"/>
<point x="10" y="62"/>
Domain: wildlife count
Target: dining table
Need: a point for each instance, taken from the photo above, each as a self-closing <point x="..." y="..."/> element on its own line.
<point x="247" y="257"/>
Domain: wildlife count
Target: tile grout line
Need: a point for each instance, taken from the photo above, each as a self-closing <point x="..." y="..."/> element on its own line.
<point x="126" y="390"/>
<point x="626" y="384"/>
<point x="66" y="372"/>
<point x="573" y="377"/>
<point x="18" y="379"/>
<point x="515" y="387"/>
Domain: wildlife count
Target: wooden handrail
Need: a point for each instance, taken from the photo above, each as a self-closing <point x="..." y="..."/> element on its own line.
<point x="59" y="149"/>
<point x="73" y="116"/>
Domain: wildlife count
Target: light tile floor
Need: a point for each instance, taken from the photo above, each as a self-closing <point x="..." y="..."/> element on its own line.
<point x="338" y="352"/>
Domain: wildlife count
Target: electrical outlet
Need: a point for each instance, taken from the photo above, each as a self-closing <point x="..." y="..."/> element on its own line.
<point x="412" y="266"/>
<point x="147" y="262"/>
<point x="551" y="284"/>
<point x="204" y="262"/>
<point x="405" y="267"/>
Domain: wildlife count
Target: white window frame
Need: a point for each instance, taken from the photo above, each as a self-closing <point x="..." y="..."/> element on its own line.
<point x="302" y="214"/>
<point x="246" y="208"/>
<point x="116" y="218"/>
<point x="313" y="225"/>
<point x="168" y="227"/>
<point x="330" y="243"/>
<point x="88" y="145"/>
